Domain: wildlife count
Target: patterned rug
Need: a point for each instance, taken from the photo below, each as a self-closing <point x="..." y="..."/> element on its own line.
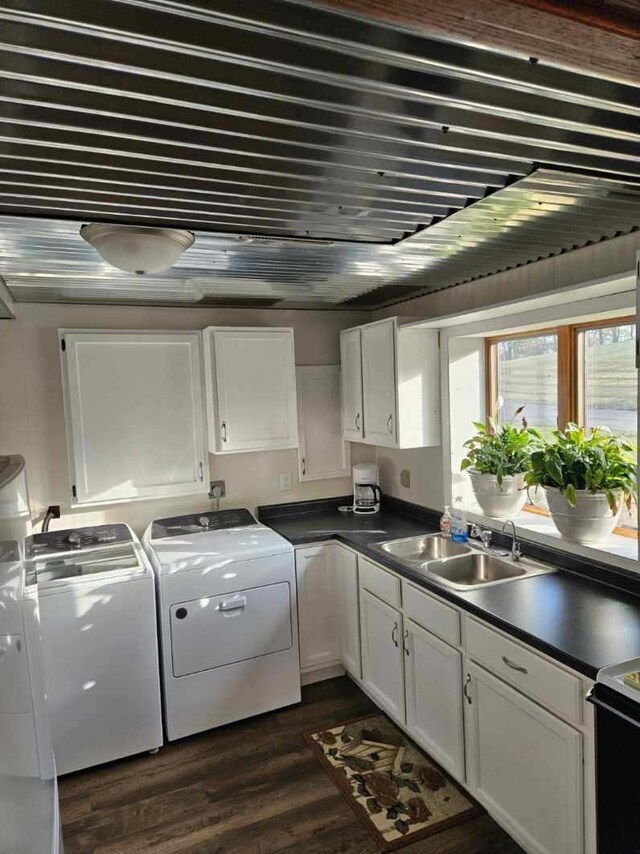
<point x="398" y="793"/>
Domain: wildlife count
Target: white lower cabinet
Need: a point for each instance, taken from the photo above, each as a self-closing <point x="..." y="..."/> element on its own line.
<point x="317" y="611"/>
<point x="433" y="680"/>
<point x="382" y="653"/>
<point x="524" y="765"/>
<point x="348" y="609"/>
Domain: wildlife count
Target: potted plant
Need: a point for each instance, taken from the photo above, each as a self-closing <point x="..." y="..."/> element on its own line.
<point x="587" y="478"/>
<point x="497" y="460"/>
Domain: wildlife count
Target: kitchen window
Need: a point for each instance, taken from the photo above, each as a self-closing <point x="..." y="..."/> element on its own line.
<point x="584" y="373"/>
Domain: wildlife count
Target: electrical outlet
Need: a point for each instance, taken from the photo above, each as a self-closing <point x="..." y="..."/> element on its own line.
<point x="285" y="482"/>
<point x="405" y="478"/>
<point x="217" y="489"/>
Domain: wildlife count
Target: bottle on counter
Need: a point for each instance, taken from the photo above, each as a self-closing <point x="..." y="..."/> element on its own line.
<point x="445" y="522"/>
<point x="459" y="529"/>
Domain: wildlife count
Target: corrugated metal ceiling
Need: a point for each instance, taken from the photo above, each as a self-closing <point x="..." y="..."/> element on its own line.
<point x="283" y="118"/>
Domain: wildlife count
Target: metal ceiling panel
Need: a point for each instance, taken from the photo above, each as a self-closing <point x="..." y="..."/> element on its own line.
<point x="428" y="163"/>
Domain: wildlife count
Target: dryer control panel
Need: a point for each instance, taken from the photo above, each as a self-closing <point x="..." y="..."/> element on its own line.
<point x="196" y="523"/>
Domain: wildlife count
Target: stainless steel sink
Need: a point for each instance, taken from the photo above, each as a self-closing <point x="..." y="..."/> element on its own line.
<point x="426" y="548"/>
<point x="476" y="569"/>
<point x="460" y="566"/>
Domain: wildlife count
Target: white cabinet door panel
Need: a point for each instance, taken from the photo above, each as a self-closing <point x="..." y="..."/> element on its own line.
<point x="252" y="389"/>
<point x="351" y="364"/>
<point x="135" y="414"/>
<point x="433" y="680"/>
<point x="382" y="664"/>
<point x="524" y="765"/>
<point x="322" y="452"/>
<point x="317" y="608"/>
<point x="379" y="383"/>
<point x="348" y="610"/>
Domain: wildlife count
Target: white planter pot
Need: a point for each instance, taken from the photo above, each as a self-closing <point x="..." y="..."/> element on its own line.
<point x="588" y="523"/>
<point x="499" y="502"/>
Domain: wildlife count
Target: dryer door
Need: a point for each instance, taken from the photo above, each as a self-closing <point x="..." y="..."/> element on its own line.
<point x="219" y="630"/>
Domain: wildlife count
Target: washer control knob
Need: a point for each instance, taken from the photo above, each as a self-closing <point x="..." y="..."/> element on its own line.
<point x="75" y="539"/>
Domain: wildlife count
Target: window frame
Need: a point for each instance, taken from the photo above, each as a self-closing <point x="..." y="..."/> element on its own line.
<point x="570" y="379"/>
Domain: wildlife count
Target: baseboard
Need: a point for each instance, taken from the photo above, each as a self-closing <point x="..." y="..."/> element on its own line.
<point x="319" y="674"/>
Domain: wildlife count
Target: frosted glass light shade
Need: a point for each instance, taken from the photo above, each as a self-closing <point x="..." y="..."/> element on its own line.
<point x="137" y="249"/>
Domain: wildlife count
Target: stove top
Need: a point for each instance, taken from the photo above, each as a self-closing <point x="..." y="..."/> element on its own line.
<point x="200" y="523"/>
<point x="76" y="539"/>
<point x="623" y="678"/>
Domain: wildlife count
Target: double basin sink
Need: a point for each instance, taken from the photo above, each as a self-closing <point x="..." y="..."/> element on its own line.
<point x="460" y="566"/>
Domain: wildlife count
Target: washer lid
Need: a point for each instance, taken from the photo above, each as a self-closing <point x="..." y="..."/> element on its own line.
<point x="211" y="548"/>
<point x="87" y="565"/>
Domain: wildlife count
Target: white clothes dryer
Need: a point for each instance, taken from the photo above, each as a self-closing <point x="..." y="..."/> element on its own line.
<point x="227" y="616"/>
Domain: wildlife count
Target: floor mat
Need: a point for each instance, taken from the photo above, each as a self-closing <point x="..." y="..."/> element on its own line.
<point x="397" y="792"/>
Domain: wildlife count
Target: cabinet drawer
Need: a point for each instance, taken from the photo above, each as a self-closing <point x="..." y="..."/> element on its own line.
<point x="531" y="674"/>
<point x="379" y="582"/>
<point x="431" y="614"/>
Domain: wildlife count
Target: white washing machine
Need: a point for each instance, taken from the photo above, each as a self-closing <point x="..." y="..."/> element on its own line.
<point x="96" y="590"/>
<point x="227" y="614"/>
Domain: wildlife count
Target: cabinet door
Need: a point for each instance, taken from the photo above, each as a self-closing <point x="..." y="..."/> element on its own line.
<point x="348" y="610"/>
<point x="134" y="413"/>
<point x="351" y="364"/>
<point x="322" y="452"/>
<point x="524" y="765"/>
<point x="382" y="655"/>
<point x="433" y="684"/>
<point x="317" y="616"/>
<point x="379" y="383"/>
<point x="255" y="390"/>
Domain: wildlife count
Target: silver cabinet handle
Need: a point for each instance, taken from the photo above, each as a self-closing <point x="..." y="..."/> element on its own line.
<point x="390" y="424"/>
<point x="201" y="470"/>
<point x="464" y="690"/>
<point x="394" y="634"/>
<point x="513" y="665"/>
<point x="223" y="431"/>
<point x="304" y="466"/>
<point x="406" y="642"/>
<point x="233" y="605"/>
<point x="358" y="421"/>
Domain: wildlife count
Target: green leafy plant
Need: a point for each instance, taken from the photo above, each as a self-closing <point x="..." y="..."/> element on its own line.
<point x="596" y="461"/>
<point x="501" y="450"/>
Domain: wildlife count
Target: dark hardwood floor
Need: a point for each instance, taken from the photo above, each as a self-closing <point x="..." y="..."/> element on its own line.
<point x="250" y="787"/>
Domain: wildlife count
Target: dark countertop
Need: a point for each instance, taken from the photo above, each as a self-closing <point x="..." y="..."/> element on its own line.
<point x="579" y="622"/>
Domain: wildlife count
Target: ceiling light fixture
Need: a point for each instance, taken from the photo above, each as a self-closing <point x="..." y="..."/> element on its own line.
<point x="136" y="248"/>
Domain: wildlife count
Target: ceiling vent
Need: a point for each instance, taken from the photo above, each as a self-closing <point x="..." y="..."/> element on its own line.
<point x="303" y="241"/>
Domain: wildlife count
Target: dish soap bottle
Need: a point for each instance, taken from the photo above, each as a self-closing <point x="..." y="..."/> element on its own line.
<point x="445" y="522"/>
<point x="459" y="533"/>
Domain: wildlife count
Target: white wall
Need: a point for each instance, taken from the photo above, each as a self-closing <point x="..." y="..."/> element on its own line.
<point x="32" y="418"/>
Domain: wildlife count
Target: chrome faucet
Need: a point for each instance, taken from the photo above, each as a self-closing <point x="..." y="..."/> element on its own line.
<point x="516" y="550"/>
<point x="485" y="536"/>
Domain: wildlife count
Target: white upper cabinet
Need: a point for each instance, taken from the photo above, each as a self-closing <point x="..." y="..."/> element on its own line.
<point x="134" y="412"/>
<point x="251" y="389"/>
<point x="399" y="395"/>
<point x="379" y="383"/>
<point x="351" y="362"/>
<point x="322" y="452"/>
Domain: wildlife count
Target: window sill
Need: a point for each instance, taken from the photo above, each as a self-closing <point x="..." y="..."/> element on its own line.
<point x="618" y="551"/>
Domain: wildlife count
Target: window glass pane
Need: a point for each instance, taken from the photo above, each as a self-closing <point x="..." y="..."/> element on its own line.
<point x="527" y="373"/>
<point x="610" y="385"/>
<point x="610" y="379"/>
